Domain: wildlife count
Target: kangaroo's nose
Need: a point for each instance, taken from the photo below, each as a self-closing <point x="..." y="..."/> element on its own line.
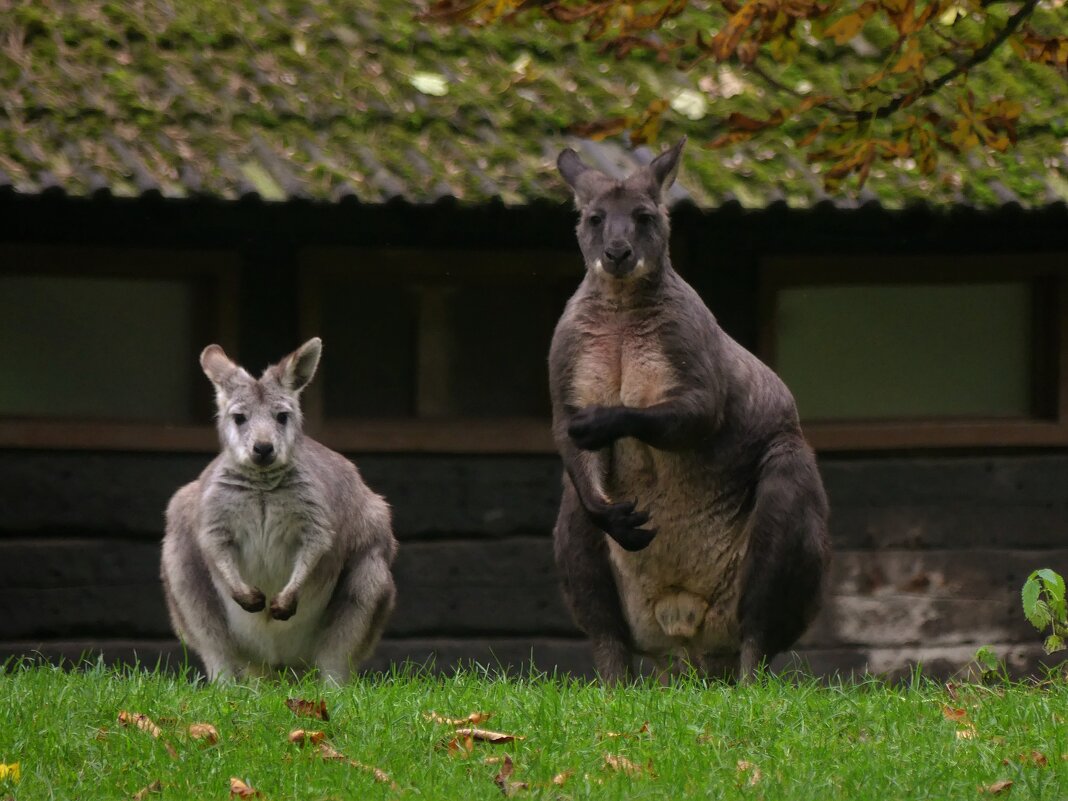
<point x="617" y="252"/>
<point x="263" y="449"/>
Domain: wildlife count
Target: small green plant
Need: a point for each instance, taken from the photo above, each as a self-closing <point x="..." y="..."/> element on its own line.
<point x="1045" y="608"/>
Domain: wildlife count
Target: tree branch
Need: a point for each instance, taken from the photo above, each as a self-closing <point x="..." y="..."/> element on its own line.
<point x="978" y="57"/>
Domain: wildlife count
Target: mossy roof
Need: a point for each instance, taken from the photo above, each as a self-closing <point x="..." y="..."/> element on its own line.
<point x="321" y="99"/>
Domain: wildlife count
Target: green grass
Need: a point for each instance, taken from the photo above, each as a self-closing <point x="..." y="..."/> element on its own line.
<point x="854" y="741"/>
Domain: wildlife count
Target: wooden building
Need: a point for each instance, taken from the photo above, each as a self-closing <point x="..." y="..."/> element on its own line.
<point x="243" y="177"/>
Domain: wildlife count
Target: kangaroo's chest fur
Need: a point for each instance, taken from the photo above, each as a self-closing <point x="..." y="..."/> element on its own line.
<point x="679" y="594"/>
<point x="268" y="527"/>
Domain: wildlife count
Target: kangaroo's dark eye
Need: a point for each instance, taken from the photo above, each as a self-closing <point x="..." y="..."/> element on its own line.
<point x="282" y="418"/>
<point x="595" y="220"/>
<point x="240" y="419"/>
<point x="644" y="218"/>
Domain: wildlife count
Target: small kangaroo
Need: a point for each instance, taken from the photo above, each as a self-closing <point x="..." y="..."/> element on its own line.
<point x="681" y="447"/>
<point x="278" y="555"/>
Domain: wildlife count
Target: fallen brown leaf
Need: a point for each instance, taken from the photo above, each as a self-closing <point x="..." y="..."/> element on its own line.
<point x="144" y="792"/>
<point x="327" y="751"/>
<point x="997" y="788"/>
<point x="308" y="709"/>
<point x="1035" y="758"/>
<point x="560" y="778"/>
<point x="967" y="733"/>
<point x="473" y="719"/>
<point x="504" y="781"/>
<point x="611" y="734"/>
<point x="744" y="766"/>
<point x="954" y="714"/>
<point x="143" y="722"/>
<point x="486" y="736"/>
<point x="379" y="774"/>
<point x="204" y="731"/>
<point x="624" y="765"/>
<point x="300" y="737"/>
<point x="238" y="789"/>
<point x="460" y="746"/>
<point x="170" y="749"/>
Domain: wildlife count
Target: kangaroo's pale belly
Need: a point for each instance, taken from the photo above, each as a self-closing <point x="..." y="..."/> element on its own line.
<point x="680" y="594"/>
<point x="267" y="536"/>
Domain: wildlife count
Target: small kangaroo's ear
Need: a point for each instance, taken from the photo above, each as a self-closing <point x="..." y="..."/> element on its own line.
<point x="297" y="369"/>
<point x="665" y="167"/>
<point x="217" y="366"/>
<point x="583" y="179"/>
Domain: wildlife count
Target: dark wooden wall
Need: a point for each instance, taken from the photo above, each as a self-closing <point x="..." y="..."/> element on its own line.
<point x="930" y="556"/>
<point x="931" y="548"/>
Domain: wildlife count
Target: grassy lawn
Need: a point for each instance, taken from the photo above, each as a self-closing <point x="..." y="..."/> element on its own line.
<point x="775" y="740"/>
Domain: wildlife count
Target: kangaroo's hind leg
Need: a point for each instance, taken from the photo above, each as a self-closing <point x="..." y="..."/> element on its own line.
<point x="356" y="615"/>
<point x="788" y="553"/>
<point x="196" y="610"/>
<point x="581" y="552"/>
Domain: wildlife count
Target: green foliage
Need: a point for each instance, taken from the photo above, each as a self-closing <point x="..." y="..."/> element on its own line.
<point x="1045" y="607"/>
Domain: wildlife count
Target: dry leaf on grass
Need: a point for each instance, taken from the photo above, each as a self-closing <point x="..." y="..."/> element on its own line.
<point x="643" y="730"/>
<point x="745" y="766"/>
<point x="326" y="751"/>
<point x="170" y="749"/>
<point x="1035" y="758"/>
<point x="504" y="781"/>
<point x="308" y="709"/>
<point x="205" y="732"/>
<point x="144" y="792"/>
<point x="561" y="778"/>
<point x="955" y="714"/>
<point x="967" y="733"/>
<point x="460" y="746"/>
<point x="997" y="788"/>
<point x="143" y="722"/>
<point x="238" y="789"/>
<point x="624" y="765"/>
<point x="486" y="736"/>
<point x="300" y="737"/>
<point x="472" y="720"/>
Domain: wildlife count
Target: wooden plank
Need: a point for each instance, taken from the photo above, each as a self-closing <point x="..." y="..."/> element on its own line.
<point x="965" y="502"/>
<point x="126" y="493"/>
<point x="75" y="587"/>
<point x="917" y="434"/>
<point x="948" y="525"/>
<point x="479" y="587"/>
<point x="988" y="573"/>
<point x="471" y="588"/>
<point x="438" y="434"/>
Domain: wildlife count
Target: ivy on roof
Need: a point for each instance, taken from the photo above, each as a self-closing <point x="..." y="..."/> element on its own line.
<point x="323" y="100"/>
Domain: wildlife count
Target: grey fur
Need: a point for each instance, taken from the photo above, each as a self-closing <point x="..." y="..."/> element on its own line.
<point x="681" y="446"/>
<point x="278" y="556"/>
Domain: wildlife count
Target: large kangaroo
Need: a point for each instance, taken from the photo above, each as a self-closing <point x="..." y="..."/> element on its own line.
<point x="279" y="555"/>
<point x="681" y="447"/>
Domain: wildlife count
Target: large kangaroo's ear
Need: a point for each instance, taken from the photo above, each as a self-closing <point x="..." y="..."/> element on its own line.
<point x="665" y="167"/>
<point x="297" y="369"/>
<point x="583" y="179"/>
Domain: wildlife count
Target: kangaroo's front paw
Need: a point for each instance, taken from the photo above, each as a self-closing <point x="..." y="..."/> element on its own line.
<point x="283" y="607"/>
<point x="596" y="427"/>
<point x="623" y="523"/>
<point x="250" y="599"/>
